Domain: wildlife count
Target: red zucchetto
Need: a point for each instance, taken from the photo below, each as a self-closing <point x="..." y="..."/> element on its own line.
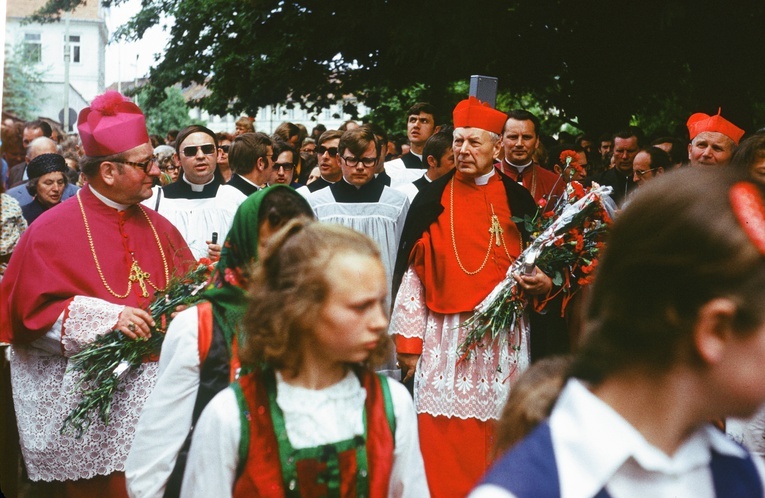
<point x="476" y="114"/>
<point x="700" y="122"/>
<point x="112" y="124"/>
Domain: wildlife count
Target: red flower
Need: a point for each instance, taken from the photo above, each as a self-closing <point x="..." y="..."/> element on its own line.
<point x="232" y="277"/>
<point x="542" y="203"/>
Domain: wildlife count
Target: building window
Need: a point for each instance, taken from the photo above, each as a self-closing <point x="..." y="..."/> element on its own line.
<point x="33" y="47"/>
<point x="74" y="48"/>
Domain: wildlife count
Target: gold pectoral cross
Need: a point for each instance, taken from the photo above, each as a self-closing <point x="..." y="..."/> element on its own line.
<point x="138" y="275"/>
<point x="496" y="229"/>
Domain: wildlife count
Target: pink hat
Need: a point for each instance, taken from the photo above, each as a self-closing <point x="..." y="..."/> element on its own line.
<point x="700" y="122"/>
<point x="112" y="124"/>
<point x="476" y="114"/>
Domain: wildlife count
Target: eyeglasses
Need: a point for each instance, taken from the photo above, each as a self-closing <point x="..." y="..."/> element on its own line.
<point x="286" y="166"/>
<point x="170" y="168"/>
<point x="640" y="173"/>
<point x="191" y="150"/>
<point x="368" y="162"/>
<point x="224" y="148"/>
<point x="332" y="151"/>
<point x="145" y="166"/>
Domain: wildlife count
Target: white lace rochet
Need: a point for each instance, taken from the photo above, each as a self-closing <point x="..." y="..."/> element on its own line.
<point x="44" y="393"/>
<point x="473" y="388"/>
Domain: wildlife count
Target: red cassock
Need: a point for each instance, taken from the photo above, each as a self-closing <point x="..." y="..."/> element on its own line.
<point x="542" y="183"/>
<point x="52" y="270"/>
<point x="53" y="262"/>
<point x="458" y="402"/>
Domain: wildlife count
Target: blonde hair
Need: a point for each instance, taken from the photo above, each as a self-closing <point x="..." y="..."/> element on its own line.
<point x="289" y="288"/>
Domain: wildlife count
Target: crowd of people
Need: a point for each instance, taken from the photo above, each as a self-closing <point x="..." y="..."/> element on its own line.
<point x="323" y="357"/>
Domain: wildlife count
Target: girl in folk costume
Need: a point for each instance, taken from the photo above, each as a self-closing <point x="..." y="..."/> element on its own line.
<point x="675" y="337"/>
<point x="198" y="357"/>
<point x="311" y="419"/>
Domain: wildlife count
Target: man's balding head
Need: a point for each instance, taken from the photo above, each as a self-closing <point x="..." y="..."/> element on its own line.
<point x="41" y="145"/>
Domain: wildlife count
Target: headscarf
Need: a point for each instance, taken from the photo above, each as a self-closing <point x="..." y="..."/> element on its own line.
<point x="227" y="291"/>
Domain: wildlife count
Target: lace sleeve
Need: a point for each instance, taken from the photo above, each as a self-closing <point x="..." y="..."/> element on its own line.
<point x="85" y="319"/>
<point x="409" y="312"/>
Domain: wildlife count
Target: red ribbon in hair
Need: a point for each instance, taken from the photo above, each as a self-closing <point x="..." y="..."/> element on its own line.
<point x="749" y="210"/>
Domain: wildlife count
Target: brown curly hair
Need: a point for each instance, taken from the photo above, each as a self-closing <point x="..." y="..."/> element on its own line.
<point x="293" y="270"/>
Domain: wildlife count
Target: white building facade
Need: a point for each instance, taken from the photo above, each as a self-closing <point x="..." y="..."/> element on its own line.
<point x="43" y="46"/>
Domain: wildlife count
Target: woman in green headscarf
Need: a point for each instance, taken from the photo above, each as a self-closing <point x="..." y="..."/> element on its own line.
<point x="198" y="356"/>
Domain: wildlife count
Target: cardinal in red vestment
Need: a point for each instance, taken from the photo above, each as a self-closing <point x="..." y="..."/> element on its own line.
<point x="458" y="243"/>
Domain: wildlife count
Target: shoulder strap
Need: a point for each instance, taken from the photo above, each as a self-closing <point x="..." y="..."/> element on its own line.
<point x="205" y="320"/>
<point x="733" y="476"/>
<point x="244" y="431"/>
<point x="159" y="198"/>
<point x="388" y="401"/>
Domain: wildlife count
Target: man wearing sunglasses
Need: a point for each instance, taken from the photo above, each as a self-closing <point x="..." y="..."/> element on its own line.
<point x="329" y="167"/>
<point x="81" y="270"/>
<point x="198" y="203"/>
<point x="361" y="201"/>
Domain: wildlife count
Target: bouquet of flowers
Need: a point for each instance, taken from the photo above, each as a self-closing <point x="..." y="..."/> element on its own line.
<point x="566" y="244"/>
<point x="107" y="360"/>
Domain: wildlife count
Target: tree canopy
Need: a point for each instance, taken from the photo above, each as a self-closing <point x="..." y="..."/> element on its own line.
<point x="599" y="63"/>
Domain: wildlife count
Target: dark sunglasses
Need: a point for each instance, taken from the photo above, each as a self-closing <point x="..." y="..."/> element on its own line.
<point x="331" y="150"/>
<point x="225" y="148"/>
<point x="286" y="166"/>
<point x="191" y="150"/>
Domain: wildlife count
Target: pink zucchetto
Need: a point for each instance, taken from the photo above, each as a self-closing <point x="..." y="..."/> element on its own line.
<point x="476" y="114"/>
<point x="112" y="124"/>
<point x="700" y="122"/>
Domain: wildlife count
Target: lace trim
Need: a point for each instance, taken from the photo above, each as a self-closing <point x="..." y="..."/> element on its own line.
<point x="475" y="388"/>
<point x="86" y="319"/>
<point x="409" y="312"/>
<point x="306" y="409"/>
<point x="45" y="391"/>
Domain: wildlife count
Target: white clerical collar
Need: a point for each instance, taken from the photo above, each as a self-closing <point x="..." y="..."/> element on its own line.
<point x="519" y="168"/>
<point x="484" y="179"/>
<point x="352" y="185"/>
<point x="195" y="187"/>
<point x="419" y="156"/>
<point x="327" y="180"/>
<point x="109" y="202"/>
<point x="251" y="183"/>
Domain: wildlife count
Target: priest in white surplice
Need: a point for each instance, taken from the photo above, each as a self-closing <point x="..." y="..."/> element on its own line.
<point x="198" y="203"/>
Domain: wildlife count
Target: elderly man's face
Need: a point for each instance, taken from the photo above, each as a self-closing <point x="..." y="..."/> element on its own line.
<point x="474" y="151"/>
<point x="710" y="147"/>
<point x="198" y="157"/>
<point x="132" y="184"/>
<point x="642" y="169"/>
<point x="625" y="150"/>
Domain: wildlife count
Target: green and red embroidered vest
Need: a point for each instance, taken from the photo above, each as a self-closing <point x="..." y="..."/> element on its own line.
<point x="271" y="468"/>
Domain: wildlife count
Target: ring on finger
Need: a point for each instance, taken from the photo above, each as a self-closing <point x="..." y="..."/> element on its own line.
<point x="131" y="327"/>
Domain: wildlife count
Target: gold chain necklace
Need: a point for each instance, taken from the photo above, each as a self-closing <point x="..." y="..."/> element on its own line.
<point x="495" y="232"/>
<point x="136" y="273"/>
